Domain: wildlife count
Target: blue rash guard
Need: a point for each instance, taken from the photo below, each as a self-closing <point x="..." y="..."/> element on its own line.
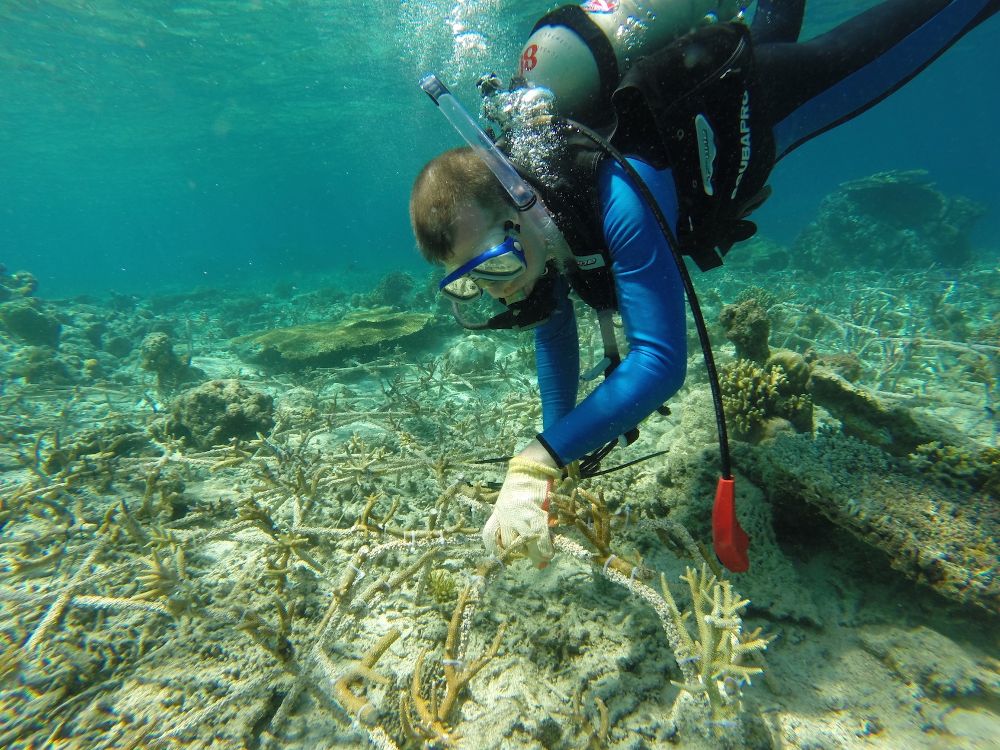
<point x="651" y="304"/>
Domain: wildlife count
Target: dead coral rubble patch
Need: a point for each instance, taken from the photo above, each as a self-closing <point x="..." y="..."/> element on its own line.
<point x="924" y="657"/>
<point x="893" y="427"/>
<point x="40" y="364"/>
<point x="963" y="468"/>
<point x="28" y="321"/>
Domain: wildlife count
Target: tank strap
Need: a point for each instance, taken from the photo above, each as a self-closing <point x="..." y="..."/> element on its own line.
<point x="574" y="18"/>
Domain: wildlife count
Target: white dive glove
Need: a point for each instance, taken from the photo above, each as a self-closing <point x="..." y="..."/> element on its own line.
<point x="521" y="510"/>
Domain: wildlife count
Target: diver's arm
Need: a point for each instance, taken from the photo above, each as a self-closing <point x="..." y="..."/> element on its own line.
<point x="557" y="358"/>
<point x="651" y="302"/>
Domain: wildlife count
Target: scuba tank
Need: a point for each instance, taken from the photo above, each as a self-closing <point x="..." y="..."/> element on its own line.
<point x="580" y="52"/>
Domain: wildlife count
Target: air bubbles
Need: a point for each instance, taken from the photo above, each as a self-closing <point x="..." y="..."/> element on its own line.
<point x="524" y="116"/>
<point x="631" y="34"/>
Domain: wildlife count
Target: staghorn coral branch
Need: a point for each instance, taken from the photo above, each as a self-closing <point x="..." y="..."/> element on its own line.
<point x="433" y="712"/>
<point x="456" y="679"/>
<point x="331" y="620"/>
<point x="354" y="704"/>
<point x="119" y="604"/>
<point x="716" y="609"/>
<point x="55" y="611"/>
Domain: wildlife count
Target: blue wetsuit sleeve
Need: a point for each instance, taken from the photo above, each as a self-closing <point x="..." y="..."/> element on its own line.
<point x="557" y="359"/>
<point x="651" y="303"/>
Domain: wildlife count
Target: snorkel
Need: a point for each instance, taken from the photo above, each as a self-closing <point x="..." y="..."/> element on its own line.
<point x="517" y="188"/>
<point x="534" y="309"/>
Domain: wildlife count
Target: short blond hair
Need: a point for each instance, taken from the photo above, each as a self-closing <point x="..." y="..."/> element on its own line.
<point x="447" y="184"/>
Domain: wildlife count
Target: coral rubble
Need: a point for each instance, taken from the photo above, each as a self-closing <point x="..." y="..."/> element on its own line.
<point x="156" y="354"/>
<point x="29" y="321"/>
<point x="892" y="427"/>
<point x="943" y="539"/>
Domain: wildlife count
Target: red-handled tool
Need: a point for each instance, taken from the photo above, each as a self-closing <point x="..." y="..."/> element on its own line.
<point x="730" y="541"/>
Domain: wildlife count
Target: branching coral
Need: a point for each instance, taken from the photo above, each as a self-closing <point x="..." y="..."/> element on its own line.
<point x="717" y="646"/>
<point x="596" y="731"/>
<point x="753" y="395"/>
<point x="589" y="514"/>
<point x="426" y="710"/>
<point x="749" y="395"/>
<point x="708" y="643"/>
<point x="363" y="671"/>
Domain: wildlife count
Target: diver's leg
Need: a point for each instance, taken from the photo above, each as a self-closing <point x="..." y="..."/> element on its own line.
<point x="777" y="21"/>
<point x="813" y="86"/>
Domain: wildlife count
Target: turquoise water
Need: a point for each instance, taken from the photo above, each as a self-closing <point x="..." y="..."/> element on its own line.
<point x="244" y="467"/>
<point x="147" y="144"/>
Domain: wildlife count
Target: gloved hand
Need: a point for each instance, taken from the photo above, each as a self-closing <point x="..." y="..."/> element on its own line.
<point x="521" y="510"/>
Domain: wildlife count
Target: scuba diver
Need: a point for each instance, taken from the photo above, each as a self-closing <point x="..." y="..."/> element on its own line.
<point x="670" y="121"/>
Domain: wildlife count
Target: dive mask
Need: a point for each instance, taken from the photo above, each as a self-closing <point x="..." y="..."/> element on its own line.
<point x="525" y="312"/>
<point x="501" y="262"/>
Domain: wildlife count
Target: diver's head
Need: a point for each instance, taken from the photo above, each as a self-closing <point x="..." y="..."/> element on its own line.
<point x="490" y="257"/>
<point x="463" y="219"/>
<point x="445" y="186"/>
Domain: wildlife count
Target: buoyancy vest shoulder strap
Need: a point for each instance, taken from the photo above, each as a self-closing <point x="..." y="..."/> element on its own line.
<point x="570" y="193"/>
